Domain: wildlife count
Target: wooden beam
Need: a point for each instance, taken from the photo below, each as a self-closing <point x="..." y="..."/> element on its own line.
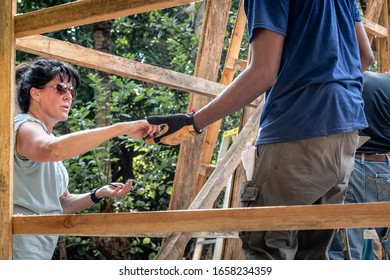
<point x="7" y="99"/>
<point x="207" y="65"/>
<point x="232" y="249"/>
<point x="226" y="78"/>
<point x="374" y="8"/>
<point x="57" y="49"/>
<point x="232" y="63"/>
<point x="206" y="169"/>
<point x="84" y="12"/>
<point x="382" y="44"/>
<point x="214" y="220"/>
<point x="236" y="64"/>
<point x="78" y="55"/>
<point x="209" y="235"/>
<point x="371" y="18"/>
<point x="374" y="29"/>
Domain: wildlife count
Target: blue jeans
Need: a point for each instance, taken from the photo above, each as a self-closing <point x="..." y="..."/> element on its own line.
<point x="369" y="182"/>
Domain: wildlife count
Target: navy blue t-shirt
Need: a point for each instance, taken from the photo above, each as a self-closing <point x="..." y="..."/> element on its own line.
<point x="318" y="90"/>
<point x="376" y="96"/>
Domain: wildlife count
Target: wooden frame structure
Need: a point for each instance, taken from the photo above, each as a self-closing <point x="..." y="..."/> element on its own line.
<point x="191" y="215"/>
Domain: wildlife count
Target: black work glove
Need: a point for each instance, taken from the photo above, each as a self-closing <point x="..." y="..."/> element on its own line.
<point x="177" y="128"/>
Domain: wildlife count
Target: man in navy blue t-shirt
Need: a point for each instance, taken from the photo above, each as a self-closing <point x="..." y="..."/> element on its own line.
<point x="308" y="57"/>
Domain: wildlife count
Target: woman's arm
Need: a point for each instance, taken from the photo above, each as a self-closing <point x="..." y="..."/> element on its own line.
<point x="72" y="203"/>
<point x="35" y="144"/>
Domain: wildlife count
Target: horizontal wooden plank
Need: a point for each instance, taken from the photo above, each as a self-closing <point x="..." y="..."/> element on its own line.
<point x="206" y="169"/>
<point x="57" y="49"/>
<point x="236" y="64"/>
<point x="85" y="12"/>
<point x="374" y="28"/>
<point x="75" y="54"/>
<point x="207" y="235"/>
<point x="208" y="220"/>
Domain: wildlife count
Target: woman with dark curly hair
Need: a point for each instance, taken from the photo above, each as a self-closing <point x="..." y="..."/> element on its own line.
<point x="45" y="91"/>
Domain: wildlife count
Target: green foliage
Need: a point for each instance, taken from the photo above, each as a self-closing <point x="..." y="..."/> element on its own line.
<point x="163" y="38"/>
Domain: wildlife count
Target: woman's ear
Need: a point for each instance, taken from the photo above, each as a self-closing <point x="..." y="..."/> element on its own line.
<point x="35" y="94"/>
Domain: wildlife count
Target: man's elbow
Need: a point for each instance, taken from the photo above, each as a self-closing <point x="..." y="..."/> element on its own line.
<point x="366" y="60"/>
<point x="271" y="77"/>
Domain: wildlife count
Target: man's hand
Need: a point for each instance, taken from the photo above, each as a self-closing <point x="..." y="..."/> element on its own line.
<point x="177" y="128"/>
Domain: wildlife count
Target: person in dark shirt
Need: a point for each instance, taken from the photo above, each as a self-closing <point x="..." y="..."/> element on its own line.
<point x="370" y="179"/>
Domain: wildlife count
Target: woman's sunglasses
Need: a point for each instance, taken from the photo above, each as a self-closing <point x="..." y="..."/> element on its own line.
<point x="62" y="88"/>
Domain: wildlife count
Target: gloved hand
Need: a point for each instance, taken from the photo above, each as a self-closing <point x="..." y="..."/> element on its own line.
<point x="177" y="128"/>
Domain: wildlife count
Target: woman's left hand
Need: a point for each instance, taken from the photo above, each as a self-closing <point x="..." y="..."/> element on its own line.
<point x="116" y="189"/>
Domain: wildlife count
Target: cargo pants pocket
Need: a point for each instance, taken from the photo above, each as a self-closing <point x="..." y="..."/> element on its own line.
<point x="248" y="193"/>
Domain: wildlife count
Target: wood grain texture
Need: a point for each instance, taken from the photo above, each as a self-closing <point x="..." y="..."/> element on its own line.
<point x="57" y="49"/>
<point x="84" y="12"/>
<point x="207" y="65"/>
<point x="7" y="99"/>
<point x="209" y="220"/>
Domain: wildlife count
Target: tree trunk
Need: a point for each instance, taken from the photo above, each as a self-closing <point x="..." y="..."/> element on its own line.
<point x="112" y="248"/>
<point x="102" y="36"/>
<point x="198" y="22"/>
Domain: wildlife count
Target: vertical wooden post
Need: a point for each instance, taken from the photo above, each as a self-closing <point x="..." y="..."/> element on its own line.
<point x="382" y="44"/>
<point x="232" y="246"/>
<point x="7" y="61"/>
<point x="373" y="12"/>
<point x="226" y="78"/>
<point x="207" y="65"/>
